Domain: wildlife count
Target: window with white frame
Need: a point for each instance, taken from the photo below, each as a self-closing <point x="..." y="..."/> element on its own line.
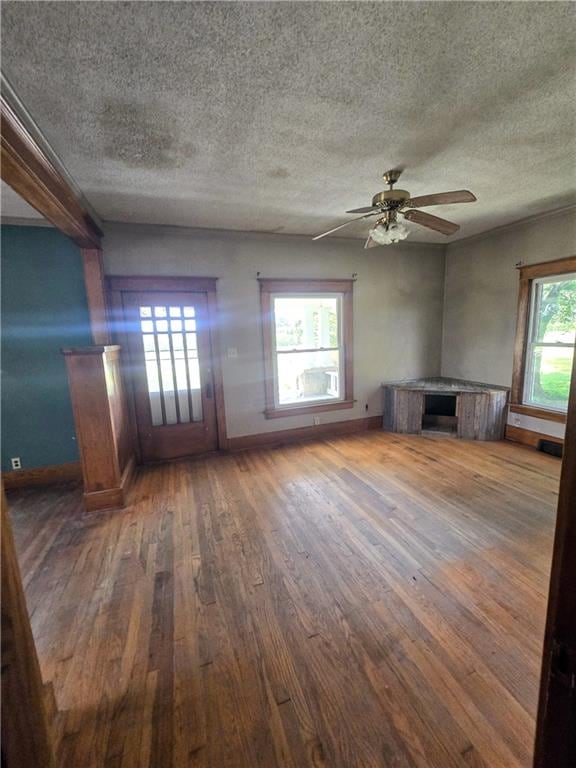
<point x="307" y="345"/>
<point x="550" y="342"/>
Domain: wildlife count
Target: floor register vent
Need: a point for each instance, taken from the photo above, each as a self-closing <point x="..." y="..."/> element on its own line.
<point x="551" y="447"/>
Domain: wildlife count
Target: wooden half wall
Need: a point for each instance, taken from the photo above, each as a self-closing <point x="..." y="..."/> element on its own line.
<point x="102" y="426"/>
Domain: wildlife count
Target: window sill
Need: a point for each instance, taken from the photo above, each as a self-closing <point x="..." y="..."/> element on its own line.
<point x="300" y="410"/>
<point x="538" y="413"/>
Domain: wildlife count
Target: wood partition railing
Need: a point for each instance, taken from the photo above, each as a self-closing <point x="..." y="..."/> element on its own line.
<point x="102" y="424"/>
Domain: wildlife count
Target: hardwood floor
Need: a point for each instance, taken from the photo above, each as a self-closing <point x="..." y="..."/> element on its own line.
<point x="363" y="602"/>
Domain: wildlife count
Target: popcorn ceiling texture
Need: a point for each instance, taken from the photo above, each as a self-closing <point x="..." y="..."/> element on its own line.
<point x="277" y="117"/>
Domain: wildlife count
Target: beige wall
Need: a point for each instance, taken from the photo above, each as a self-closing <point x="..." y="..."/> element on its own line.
<point x="398" y="300"/>
<point x="481" y="290"/>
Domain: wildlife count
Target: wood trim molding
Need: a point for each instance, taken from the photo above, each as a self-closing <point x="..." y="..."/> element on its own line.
<point x="94" y="281"/>
<point x="292" y="285"/>
<point x="119" y="335"/>
<point x="214" y="328"/>
<point x="320" y="431"/>
<point x="527" y="274"/>
<point x="31" y="173"/>
<point x="100" y="349"/>
<point x="523" y="313"/>
<point x="538" y="413"/>
<point x="548" y="268"/>
<point x="269" y="286"/>
<point x="54" y="473"/>
<point x="111" y="498"/>
<point x="159" y="283"/>
<point x="528" y="437"/>
<point x="336" y="405"/>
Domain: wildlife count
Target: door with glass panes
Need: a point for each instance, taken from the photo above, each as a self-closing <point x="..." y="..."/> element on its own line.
<point x="171" y="367"/>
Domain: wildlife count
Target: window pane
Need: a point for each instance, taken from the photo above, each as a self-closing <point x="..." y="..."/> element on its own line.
<point x="306" y="322"/>
<point x="172" y="366"/>
<point x="307" y="376"/>
<point x="555" y="311"/>
<point x="548" y="376"/>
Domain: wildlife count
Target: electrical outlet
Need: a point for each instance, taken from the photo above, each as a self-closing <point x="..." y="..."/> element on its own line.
<point x="232" y="352"/>
<point x="16" y="463"/>
<point x="316" y="420"/>
<point x="516" y="420"/>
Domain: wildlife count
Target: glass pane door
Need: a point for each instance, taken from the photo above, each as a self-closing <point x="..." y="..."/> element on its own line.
<point x="172" y="366"/>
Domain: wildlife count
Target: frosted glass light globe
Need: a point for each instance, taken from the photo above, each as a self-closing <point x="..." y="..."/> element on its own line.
<point x="393" y="234"/>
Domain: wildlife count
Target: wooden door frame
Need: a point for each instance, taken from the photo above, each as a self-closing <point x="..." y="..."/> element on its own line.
<point x="118" y="285"/>
<point x="555" y="745"/>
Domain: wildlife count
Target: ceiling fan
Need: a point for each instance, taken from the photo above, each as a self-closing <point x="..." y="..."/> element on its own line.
<point x="389" y="203"/>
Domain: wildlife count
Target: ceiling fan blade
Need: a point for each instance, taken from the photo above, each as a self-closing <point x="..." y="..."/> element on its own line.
<point x="335" y="229"/>
<point x="368" y="209"/>
<point x="370" y="243"/>
<point x="442" y="198"/>
<point x="432" y="222"/>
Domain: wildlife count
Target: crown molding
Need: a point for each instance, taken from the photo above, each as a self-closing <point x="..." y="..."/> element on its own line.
<point x="514" y="225"/>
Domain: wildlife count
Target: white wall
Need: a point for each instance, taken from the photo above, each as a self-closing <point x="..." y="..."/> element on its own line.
<point x="480" y="304"/>
<point x="398" y="301"/>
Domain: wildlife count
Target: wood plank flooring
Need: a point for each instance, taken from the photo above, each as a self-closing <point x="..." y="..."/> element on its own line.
<point x="363" y="602"/>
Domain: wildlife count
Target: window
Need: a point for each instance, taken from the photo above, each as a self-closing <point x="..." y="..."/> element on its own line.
<point x="307" y="345"/>
<point x="551" y="337"/>
<point x="545" y="341"/>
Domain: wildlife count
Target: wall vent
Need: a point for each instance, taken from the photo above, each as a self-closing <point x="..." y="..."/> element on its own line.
<point x="551" y="447"/>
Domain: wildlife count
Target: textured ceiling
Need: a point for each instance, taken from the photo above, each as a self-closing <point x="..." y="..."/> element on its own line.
<point x="280" y="116"/>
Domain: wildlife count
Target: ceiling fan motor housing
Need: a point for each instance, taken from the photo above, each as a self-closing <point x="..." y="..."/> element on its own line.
<point x="391" y="198"/>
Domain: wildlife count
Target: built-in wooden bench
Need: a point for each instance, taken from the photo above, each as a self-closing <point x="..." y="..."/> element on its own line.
<point x="465" y="409"/>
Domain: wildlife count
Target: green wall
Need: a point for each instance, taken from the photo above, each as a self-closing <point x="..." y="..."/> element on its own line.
<point x="43" y="309"/>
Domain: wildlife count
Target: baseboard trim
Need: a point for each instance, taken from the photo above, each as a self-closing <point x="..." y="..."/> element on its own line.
<point x="529" y="437"/>
<point x="112" y="498"/>
<point x="54" y="473"/>
<point x="319" y="431"/>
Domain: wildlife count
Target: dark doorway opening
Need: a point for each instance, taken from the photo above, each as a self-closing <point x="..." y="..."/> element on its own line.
<point x="440" y="413"/>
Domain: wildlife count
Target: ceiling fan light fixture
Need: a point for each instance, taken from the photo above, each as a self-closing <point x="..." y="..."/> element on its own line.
<point x="388" y="204"/>
<point x="387" y="234"/>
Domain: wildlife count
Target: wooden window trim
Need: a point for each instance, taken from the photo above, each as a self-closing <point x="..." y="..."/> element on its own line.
<point x="539" y="413"/>
<point x="269" y="286"/>
<point x="527" y="275"/>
